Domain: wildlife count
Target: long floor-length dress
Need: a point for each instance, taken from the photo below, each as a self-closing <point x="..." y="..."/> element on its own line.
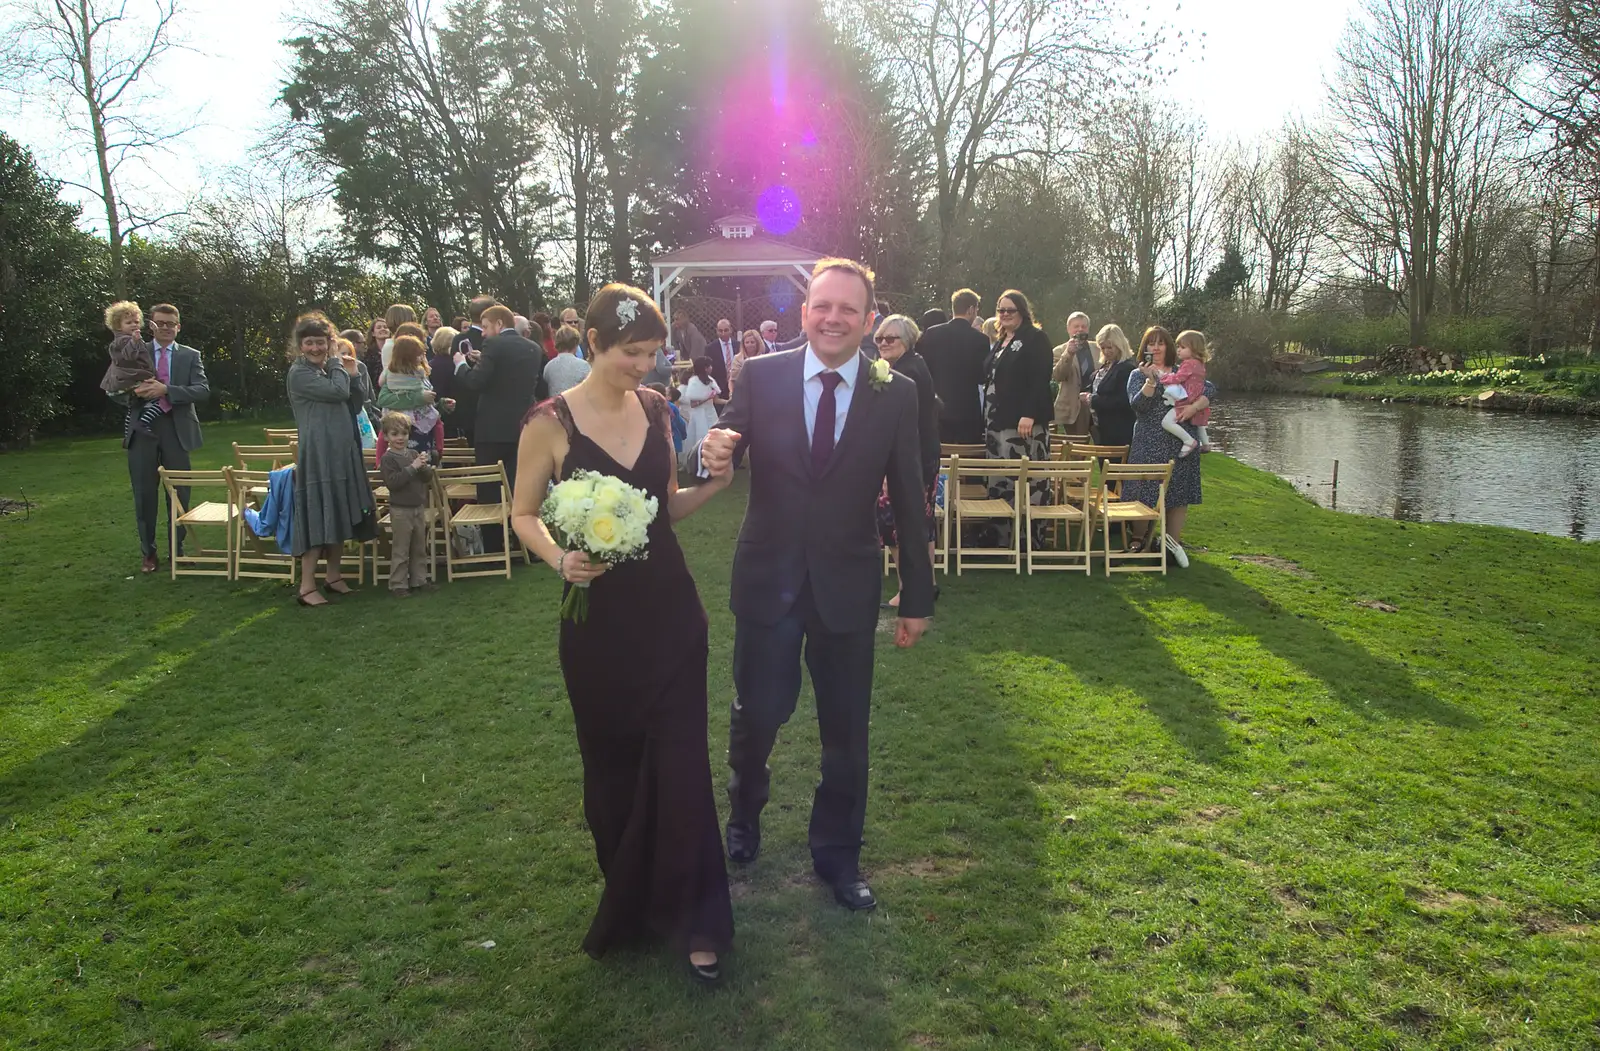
<point x="635" y="670"/>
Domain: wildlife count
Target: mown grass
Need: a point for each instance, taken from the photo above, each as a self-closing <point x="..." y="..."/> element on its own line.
<point x="1241" y="805"/>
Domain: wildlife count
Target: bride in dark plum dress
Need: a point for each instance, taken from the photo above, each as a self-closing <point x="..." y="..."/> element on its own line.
<point x="635" y="669"/>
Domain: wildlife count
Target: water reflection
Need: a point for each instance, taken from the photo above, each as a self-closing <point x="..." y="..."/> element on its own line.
<point x="1421" y="463"/>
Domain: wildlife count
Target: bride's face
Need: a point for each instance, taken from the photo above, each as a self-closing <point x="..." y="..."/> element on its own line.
<point x="627" y="364"/>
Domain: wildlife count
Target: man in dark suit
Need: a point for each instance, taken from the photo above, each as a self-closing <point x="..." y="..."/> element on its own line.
<point x="721" y="351"/>
<point x="955" y="352"/>
<point x="180" y="384"/>
<point x="823" y="431"/>
<point x="505" y="375"/>
<point x="463" y="419"/>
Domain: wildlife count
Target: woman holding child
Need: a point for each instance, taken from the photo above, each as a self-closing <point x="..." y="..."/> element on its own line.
<point x="1158" y="357"/>
<point x="332" y="500"/>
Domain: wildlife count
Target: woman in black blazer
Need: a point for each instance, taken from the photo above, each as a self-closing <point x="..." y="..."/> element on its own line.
<point x="896" y="342"/>
<point x="1108" y="398"/>
<point x="1017" y="397"/>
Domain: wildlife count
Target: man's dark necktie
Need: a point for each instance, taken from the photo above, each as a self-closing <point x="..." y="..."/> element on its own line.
<point x="822" y="430"/>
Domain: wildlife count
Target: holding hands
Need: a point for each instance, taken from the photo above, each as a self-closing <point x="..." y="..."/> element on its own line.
<point x="716" y="452"/>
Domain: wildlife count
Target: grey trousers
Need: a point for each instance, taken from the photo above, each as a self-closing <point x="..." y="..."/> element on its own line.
<point x="145" y="455"/>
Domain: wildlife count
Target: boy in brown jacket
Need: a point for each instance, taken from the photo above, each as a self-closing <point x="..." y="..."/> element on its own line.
<point x="406" y="473"/>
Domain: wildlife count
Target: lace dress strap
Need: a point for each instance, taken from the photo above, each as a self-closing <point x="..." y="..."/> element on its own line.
<point x="656" y="413"/>
<point x="555" y="408"/>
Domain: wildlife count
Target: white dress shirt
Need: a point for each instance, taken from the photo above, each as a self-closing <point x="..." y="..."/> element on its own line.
<point x="814" y="368"/>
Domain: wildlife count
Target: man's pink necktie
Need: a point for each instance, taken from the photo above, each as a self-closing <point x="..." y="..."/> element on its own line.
<point x="164" y="373"/>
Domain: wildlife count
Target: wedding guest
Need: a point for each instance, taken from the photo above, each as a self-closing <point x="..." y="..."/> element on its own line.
<point x="460" y="322"/>
<point x="350" y="342"/>
<point x="1017" y="395"/>
<point x="442" y="370"/>
<point x="897" y="339"/>
<point x="397" y="315"/>
<point x="469" y="345"/>
<point x="566" y="370"/>
<point x="179" y="385"/>
<point x="991" y="331"/>
<point x="131" y="363"/>
<point x="432" y="321"/>
<point x="751" y="345"/>
<point x="686" y="342"/>
<point x="544" y="334"/>
<point x="699" y="402"/>
<point x="930" y="318"/>
<point x="722" y="353"/>
<point x="505" y="375"/>
<point x="955" y="353"/>
<point x="769" y="336"/>
<point x="524" y="327"/>
<point x="372" y="348"/>
<point x="332" y="500"/>
<point x="1074" y="365"/>
<point x="570" y="316"/>
<point x="1151" y="444"/>
<point x="407" y="392"/>
<point x="406" y="472"/>
<point x="1108" y="391"/>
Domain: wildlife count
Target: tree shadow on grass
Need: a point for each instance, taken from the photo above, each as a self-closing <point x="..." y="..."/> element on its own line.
<point x="1365" y="683"/>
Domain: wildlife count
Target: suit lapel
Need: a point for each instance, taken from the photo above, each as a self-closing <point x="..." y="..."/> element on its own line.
<point x="862" y="395"/>
<point x="792" y="409"/>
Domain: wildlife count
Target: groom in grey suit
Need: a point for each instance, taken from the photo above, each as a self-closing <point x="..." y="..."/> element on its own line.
<point x="824" y="430"/>
<point x="180" y="384"/>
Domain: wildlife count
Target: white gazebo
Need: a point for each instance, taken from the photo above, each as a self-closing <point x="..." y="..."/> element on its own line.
<point x="739" y="250"/>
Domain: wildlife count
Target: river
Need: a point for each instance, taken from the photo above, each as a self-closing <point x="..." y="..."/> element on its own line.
<point x="1421" y="463"/>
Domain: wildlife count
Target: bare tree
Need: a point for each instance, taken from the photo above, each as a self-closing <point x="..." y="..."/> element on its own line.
<point x="1407" y="100"/>
<point x="1136" y="187"/>
<point x="1282" y="213"/>
<point x="972" y="73"/>
<point x="1198" y="206"/>
<point x="99" y="55"/>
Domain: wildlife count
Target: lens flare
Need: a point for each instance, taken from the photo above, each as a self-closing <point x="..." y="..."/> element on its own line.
<point x="779" y="209"/>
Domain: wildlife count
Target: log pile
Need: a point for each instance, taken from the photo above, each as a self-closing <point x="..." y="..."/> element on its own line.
<point x="1398" y="360"/>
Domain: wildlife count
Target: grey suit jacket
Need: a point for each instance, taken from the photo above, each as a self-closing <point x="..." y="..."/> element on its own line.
<point x="187" y="387"/>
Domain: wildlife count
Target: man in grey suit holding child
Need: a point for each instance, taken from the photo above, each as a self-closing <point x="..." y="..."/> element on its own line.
<point x="180" y="385"/>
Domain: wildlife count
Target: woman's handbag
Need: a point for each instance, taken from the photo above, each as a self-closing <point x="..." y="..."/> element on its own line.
<point x="369" y="437"/>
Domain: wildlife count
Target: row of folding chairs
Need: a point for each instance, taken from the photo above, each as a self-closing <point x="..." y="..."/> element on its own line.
<point x="288" y="435"/>
<point x="216" y="500"/>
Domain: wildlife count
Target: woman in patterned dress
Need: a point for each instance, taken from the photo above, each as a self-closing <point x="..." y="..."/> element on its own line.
<point x="1017" y="401"/>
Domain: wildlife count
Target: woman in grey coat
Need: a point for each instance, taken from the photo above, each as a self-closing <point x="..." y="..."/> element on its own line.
<point x="332" y="498"/>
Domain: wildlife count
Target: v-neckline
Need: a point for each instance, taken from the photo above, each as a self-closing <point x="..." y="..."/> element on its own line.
<point x="626" y="469"/>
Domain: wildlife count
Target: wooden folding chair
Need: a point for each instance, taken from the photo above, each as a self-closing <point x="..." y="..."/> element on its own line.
<point x="1111" y="510"/>
<point x="498" y="513"/>
<point x="199" y="560"/>
<point x="255" y="557"/>
<point x="966" y="452"/>
<point x="941" y="534"/>
<point x="282" y="435"/>
<point x="965" y="476"/>
<point x="265" y="457"/>
<point x="456" y="441"/>
<point x="1068" y="480"/>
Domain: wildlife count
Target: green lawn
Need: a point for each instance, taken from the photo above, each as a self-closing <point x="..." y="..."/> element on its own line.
<point x="1238" y="806"/>
<point x="1569" y="386"/>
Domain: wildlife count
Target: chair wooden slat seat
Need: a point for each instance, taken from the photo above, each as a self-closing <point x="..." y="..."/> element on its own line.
<point x="1065" y="480"/>
<point x="1112" y="510"/>
<point x="446" y="479"/>
<point x="198" y="560"/>
<point x="973" y="473"/>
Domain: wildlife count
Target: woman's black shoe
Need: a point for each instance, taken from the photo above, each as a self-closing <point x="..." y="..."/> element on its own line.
<point x="706" y="974"/>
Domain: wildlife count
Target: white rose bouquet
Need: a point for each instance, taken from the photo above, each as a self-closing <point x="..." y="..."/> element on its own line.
<point x="602" y="516"/>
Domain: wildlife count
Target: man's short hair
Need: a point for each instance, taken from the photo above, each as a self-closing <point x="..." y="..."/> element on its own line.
<point x="1077" y="315"/>
<point x="500" y="315"/>
<point x="395" y="423"/>
<point x="769" y="323"/>
<point x="477" y="306"/>
<point x="165" y="308"/>
<point x="964" y="300"/>
<point x="568" y="338"/>
<point x="849" y="266"/>
<point x="522" y="325"/>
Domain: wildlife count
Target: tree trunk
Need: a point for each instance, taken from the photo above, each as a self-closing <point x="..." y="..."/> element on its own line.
<point x="97" y="125"/>
<point x="580" y="226"/>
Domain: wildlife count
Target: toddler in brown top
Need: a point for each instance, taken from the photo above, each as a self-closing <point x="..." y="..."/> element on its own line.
<point x="131" y="360"/>
<point x="406" y="472"/>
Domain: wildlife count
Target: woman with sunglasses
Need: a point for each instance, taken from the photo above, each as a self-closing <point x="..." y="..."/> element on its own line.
<point x="896" y="342"/>
<point x="1017" y="399"/>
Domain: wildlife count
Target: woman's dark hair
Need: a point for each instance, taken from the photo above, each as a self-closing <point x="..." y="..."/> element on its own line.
<point x="543" y="321"/>
<point x="613" y="328"/>
<point x="1024" y="308"/>
<point x="308" y="326"/>
<point x="1151" y="334"/>
<point x="702" y="368"/>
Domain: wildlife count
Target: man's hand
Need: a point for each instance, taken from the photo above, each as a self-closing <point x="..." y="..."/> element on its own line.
<point x="149" y="390"/>
<point x="447" y="404"/>
<point x="473" y="355"/>
<point x="716" y="451"/>
<point x="909" y="630"/>
<point x="1025" y="427"/>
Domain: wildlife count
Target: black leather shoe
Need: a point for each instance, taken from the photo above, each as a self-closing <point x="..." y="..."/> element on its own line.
<point x="744" y="842"/>
<point x="853" y="893"/>
<point x="706" y="974"/>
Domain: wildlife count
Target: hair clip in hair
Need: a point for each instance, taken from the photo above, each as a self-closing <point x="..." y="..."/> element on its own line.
<point x="627" y="310"/>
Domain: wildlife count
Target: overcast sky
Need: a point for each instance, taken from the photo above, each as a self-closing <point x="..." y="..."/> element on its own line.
<point x="1263" y="60"/>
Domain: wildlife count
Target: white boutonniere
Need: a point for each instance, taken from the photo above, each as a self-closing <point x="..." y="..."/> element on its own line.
<point x="879" y="374"/>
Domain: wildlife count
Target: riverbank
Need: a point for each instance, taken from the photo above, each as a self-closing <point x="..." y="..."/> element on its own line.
<point x="1534" y="394"/>
<point x="1333" y="786"/>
